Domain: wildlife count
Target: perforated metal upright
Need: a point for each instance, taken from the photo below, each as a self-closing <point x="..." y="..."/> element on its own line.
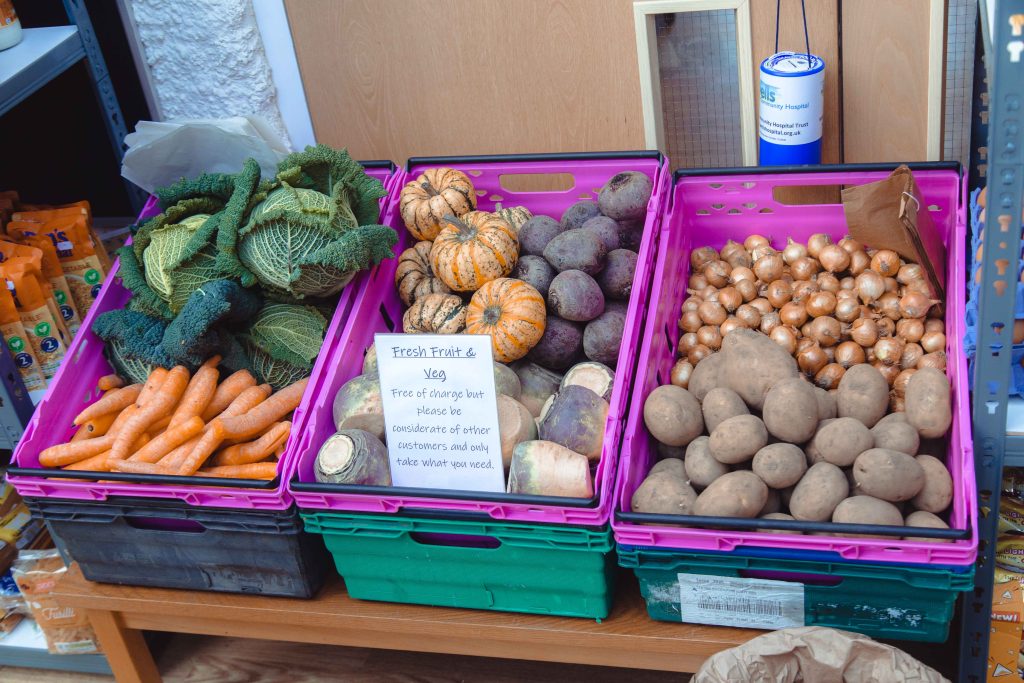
<point x="1005" y="179"/>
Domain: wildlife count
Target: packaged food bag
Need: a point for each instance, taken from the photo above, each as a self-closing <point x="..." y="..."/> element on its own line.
<point x="19" y="347"/>
<point x="31" y="264"/>
<point x="39" y="323"/>
<point x="39" y="213"/>
<point x="67" y="630"/>
<point x="54" y="274"/>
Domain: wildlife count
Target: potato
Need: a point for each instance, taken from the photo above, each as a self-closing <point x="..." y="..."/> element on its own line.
<point x="669" y="466"/>
<point x="790" y="410"/>
<point x="515" y="425"/>
<point x="719" y="405"/>
<point x="536" y="233"/>
<point x="574" y="295"/>
<point x="707" y="375"/>
<point x="772" y="504"/>
<point x="867" y="510"/>
<point x="616" y="280"/>
<point x="673" y="416"/>
<point x="625" y="196"/>
<point x="928" y="405"/>
<point x="736" y="494"/>
<point x="778" y="515"/>
<point x="560" y="344"/>
<point x="937" y="492"/>
<point x="863" y="394"/>
<point x="889" y="475"/>
<point x="664" y="452"/>
<point x="701" y="468"/>
<point x="604" y="229"/>
<point x="752" y="365"/>
<point x="818" y="493"/>
<point x="927" y="520"/>
<point x="826" y="404"/>
<point x="602" y="337"/>
<point x="896" y="435"/>
<point x="813" y="455"/>
<point x="780" y="464"/>
<point x="579" y="213"/>
<point x="737" y="439"/>
<point x="664" y="493"/>
<point x="576" y="250"/>
<point x="536" y="272"/>
<point x="841" y="441"/>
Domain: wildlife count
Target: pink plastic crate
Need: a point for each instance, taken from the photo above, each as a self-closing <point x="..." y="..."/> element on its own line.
<point x="708" y="209"/>
<point x="378" y="309"/>
<point x="73" y="387"/>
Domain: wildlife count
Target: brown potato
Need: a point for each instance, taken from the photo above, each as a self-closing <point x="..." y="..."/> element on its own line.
<point x="780" y="464"/>
<point x="737" y="439"/>
<point x="663" y="493"/>
<point x="790" y="410"/>
<point x="754" y="364"/>
<point x="772" y="504"/>
<point x="841" y="441"/>
<point x="826" y="404"/>
<point x="896" y="435"/>
<point x="719" y="405"/>
<point x="928" y="404"/>
<point x="863" y="394"/>
<point x="867" y="510"/>
<point x="706" y="376"/>
<point x="926" y="519"/>
<point x="818" y="493"/>
<point x="701" y="467"/>
<point x="889" y="475"/>
<point x="736" y="494"/>
<point x="673" y="416"/>
<point x="813" y="455"/>
<point x="937" y="492"/>
<point x="669" y="466"/>
<point x="778" y="515"/>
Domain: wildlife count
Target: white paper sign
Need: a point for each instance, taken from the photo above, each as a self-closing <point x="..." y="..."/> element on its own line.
<point x="440" y="411"/>
<point x="746" y="603"/>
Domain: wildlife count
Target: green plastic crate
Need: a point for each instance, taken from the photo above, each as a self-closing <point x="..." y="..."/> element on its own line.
<point x="881" y="601"/>
<point x="566" y="571"/>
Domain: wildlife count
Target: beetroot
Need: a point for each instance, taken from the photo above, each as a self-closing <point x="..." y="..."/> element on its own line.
<point x="604" y="229"/>
<point x="625" y="196"/>
<point x="536" y="233"/>
<point x="579" y="213"/>
<point x="561" y="344"/>
<point x="576" y="250"/>
<point x="616" y="280"/>
<point x="576" y="296"/>
<point x="603" y="335"/>
<point x="631" y="234"/>
<point x="535" y="271"/>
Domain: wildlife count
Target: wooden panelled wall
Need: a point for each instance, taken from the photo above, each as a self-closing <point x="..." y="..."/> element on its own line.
<point x="391" y="79"/>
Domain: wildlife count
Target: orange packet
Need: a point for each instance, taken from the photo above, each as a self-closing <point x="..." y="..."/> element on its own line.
<point x="54" y="274"/>
<point x="41" y="213"/>
<point x="18" y="346"/>
<point x="31" y="259"/>
<point x="40" y="326"/>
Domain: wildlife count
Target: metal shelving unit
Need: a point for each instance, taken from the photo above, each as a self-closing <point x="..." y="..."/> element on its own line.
<point x="997" y="441"/>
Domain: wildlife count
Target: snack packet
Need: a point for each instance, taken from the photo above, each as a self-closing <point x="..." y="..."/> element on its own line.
<point x="40" y="325"/>
<point x="40" y="213"/>
<point x="67" y="630"/>
<point x="44" y="263"/>
<point x="18" y="346"/>
<point x="54" y="274"/>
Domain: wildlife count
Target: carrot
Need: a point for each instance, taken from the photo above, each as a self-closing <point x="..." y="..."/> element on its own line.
<point x="97" y="463"/>
<point x="253" y="470"/>
<point x="135" y="467"/>
<point x="207" y="444"/>
<point x="173" y="460"/>
<point x="107" y="382"/>
<point x="98" y="426"/>
<point x="254" y="451"/>
<point x="247" y="400"/>
<point x="228" y="391"/>
<point x="266" y="413"/>
<point x="160" y="404"/>
<point x="168" y="441"/>
<point x="159" y="426"/>
<point x="115" y="401"/>
<point x="72" y="452"/>
<point x="199" y="392"/>
<point x="153" y="382"/>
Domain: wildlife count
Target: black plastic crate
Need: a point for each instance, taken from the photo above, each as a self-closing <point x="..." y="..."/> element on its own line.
<point x="169" y="544"/>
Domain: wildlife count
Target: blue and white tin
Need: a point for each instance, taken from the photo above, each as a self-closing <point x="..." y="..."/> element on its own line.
<point x="792" y="104"/>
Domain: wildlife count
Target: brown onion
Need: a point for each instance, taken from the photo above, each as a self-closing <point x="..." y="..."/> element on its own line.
<point x="932" y="325"/>
<point x="891" y="285"/>
<point x="793" y="314"/>
<point x="804" y="268"/>
<point x="870" y="286"/>
<point x="750" y="316"/>
<point x="820" y="303"/>
<point x="897" y="404"/>
<point x="805" y="330"/>
<point x="910" y="329"/>
<point x="803" y="289"/>
<point x="697" y="282"/>
<point x="747" y="289"/>
<point x="914" y="305"/>
<point x="850" y="353"/>
<point x="701" y="256"/>
<point x="917" y="286"/>
<point x="730" y="298"/>
<point x="691" y="303"/>
<point x="687" y="342"/>
<point x="762" y="250"/>
<point x="754" y="241"/>
<point x="711" y="313"/>
<point x="784" y="337"/>
<point x="768" y="268"/>
<point x="869" y="354"/>
<point x="717" y="273"/>
<point x="935" y="359"/>
<point x="779" y="293"/>
<point x="830" y="353"/>
<point x="710" y="336"/>
<point x="763" y="305"/>
<point x="888" y="350"/>
<point x="825" y="330"/>
<point x="769" y="321"/>
<point x="827" y="282"/>
<point x="859" y="262"/>
<point x="681" y="371"/>
<point x="829" y="376"/>
<point x="899" y="385"/>
<point x="803" y="342"/>
<point x="909" y="273"/>
<point x="817" y="242"/>
<point x="889" y="372"/>
<point x="933" y="341"/>
<point x="733" y="253"/>
<point x="850" y="245"/>
<point x="849" y="283"/>
<point x="889" y="305"/>
<point x="732" y="323"/>
<point x="911" y="355"/>
<point x="834" y="258"/>
<point x="690" y="321"/>
<point x="885" y="262"/>
<point x="793" y="251"/>
<point x="847" y="310"/>
<point x="811" y="359"/>
<point x="886" y="326"/>
<point x="741" y="273"/>
<point x="938" y="310"/>
<point x="864" y="331"/>
<point x="698" y="353"/>
<point x="709" y="293"/>
<point x="844" y="294"/>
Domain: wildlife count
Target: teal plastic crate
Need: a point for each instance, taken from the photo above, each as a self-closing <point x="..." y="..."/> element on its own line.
<point x="565" y="571"/>
<point x="881" y="601"/>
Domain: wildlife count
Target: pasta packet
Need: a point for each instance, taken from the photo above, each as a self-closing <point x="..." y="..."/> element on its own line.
<point x="67" y="630"/>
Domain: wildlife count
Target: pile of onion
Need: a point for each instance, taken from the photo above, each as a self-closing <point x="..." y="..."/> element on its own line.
<point x="831" y="305"/>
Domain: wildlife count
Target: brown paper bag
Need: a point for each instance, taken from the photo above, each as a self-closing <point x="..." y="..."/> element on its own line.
<point x="892" y="214"/>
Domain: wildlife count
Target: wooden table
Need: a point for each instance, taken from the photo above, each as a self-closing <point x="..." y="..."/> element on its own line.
<point x="627" y="638"/>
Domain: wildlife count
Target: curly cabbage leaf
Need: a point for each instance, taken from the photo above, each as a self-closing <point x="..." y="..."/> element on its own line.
<point x="333" y="172"/>
<point x="132" y="342"/>
<point x="283" y="341"/>
<point x="200" y="330"/>
<point x="273" y="371"/>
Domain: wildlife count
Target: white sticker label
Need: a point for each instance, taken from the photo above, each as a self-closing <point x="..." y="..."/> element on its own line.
<point x="745" y="603"/>
<point x="791" y="108"/>
<point x="440" y="411"/>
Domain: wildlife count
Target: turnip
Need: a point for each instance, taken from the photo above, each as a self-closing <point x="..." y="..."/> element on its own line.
<point x="576" y="419"/>
<point x="543" y="468"/>
<point x="353" y="456"/>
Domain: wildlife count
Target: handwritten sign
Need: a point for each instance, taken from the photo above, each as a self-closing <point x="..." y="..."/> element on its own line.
<point x="440" y="411"/>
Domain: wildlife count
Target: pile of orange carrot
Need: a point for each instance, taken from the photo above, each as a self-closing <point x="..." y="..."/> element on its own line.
<point x="182" y="424"/>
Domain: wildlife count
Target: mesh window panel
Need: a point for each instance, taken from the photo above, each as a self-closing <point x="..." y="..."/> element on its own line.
<point x="961" y="26"/>
<point x="699" y="88"/>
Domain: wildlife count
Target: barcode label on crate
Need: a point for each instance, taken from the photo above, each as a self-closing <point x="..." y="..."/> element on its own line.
<point x="747" y="603"/>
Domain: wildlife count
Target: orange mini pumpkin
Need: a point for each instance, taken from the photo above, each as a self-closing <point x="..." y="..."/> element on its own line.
<point x="435" y="314"/>
<point x="414" y="277"/>
<point x="436" y="193"/>
<point x="512" y="312"/>
<point x="473" y="250"/>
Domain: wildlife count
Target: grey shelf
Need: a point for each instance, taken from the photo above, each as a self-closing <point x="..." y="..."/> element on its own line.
<point x="42" y="55"/>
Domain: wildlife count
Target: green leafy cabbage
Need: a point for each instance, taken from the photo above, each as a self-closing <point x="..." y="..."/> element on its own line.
<point x="282" y="342"/>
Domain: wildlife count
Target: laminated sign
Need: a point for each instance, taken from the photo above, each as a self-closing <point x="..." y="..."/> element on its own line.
<point x="746" y="603"/>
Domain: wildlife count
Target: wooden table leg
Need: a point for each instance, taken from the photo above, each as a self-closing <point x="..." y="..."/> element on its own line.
<point x="125" y="649"/>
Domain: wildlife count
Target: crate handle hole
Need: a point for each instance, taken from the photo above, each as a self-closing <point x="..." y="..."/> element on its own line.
<point x="537" y="182"/>
<point x="806" y="195"/>
<point x="163" y="524"/>
<point x="703" y="212"/>
<point x="455" y="540"/>
<point x="809" y="579"/>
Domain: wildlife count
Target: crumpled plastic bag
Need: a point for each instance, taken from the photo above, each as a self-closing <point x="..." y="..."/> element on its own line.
<point x="162" y="152"/>
<point x="813" y="654"/>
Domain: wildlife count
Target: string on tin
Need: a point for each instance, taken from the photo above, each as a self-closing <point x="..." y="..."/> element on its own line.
<point x="807" y="38"/>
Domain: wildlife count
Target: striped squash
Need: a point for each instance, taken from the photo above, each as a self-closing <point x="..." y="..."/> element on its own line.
<point x="516" y="216"/>
<point x="414" y="278"/>
<point x="436" y="193"/>
<point x="474" y="249"/>
<point x="512" y="312"/>
<point x="435" y="314"/>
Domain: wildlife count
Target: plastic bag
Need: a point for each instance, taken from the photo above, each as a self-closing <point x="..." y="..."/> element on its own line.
<point x="67" y="630"/>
